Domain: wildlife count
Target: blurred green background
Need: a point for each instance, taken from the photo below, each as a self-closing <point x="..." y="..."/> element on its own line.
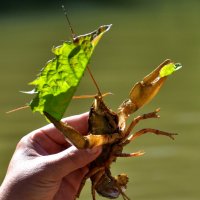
<point x="144" y="33"/>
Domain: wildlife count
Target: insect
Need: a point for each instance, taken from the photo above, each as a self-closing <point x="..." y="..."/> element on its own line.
<point x="109" y="129"/>
<point x="54" y="89"/>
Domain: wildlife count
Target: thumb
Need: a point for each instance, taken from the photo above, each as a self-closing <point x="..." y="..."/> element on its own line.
<point x="69" y="160"/>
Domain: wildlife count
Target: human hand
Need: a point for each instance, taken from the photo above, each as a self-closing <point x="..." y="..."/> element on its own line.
<point x="46" y="167"/>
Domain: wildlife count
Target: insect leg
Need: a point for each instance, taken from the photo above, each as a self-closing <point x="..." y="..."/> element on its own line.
<point x="149" y="130"/>
<point x="135" y="154"/>
<point x="139" y="118"/>
<point x="88" y="175"/>
<point x="96" y="180"/>
<point x="69" y="132"/>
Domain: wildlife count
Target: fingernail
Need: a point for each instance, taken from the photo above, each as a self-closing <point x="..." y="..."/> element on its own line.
<point x="94" y="150"/>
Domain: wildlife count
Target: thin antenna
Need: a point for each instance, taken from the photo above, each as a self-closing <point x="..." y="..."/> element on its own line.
<point x="17" y="109"/>
<point x="73" y="36"/>
<point x="69" y="23"/>
<point x="90" y="96"/>
<point x="95" y="83"/>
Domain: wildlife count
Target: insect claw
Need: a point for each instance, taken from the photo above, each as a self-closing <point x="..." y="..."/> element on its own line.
<point x="152" y="77"/>
<point x="107" y="93"/>
<point x="144" y="91"/>
<point x="171" y="135"/>
<point x="157" y="110"/>
<point x="152" y="115"/>
<point x="138" y="153"/>
<point x="155" y="113"/>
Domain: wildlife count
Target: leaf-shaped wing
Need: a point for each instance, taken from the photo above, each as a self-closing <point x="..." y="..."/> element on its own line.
<point x="60" y="78"/>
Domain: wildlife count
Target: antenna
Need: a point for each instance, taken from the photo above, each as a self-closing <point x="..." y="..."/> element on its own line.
<point x="73" y="36"/>
<point x="17" y="109"/>
<point x="68" y="21"/>
<point x="95" y="83"/>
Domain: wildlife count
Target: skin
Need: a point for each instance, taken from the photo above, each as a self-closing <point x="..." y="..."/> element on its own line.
<point x="45" y="166"/>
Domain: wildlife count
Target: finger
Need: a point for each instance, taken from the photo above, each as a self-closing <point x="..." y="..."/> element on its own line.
<point x="45" y="145"/>
<point x="79" y="122"/>
<point x="69" y="160"/>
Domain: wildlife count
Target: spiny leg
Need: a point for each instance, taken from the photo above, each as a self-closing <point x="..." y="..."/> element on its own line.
<point x="81" y="186"/>
<point x="135" y="154"/>
<point x="124" y="196"/>
<point x="142" y="117"/>
<point x="96" y="180"/>
<point x="149" y="130"/>
<point x="88" y="175"/>
<point x="69" y="132"/>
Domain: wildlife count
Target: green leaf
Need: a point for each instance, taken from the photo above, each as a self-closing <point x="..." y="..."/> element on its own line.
<point x="59" y="79"/>
<point x="169" y="69"/>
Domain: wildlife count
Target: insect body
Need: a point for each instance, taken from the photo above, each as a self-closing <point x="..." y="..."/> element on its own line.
<point x="109" y="129"/>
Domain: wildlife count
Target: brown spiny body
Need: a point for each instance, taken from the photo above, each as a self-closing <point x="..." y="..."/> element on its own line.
<point x="104" y="121"/>
<point x="109" y="129"/>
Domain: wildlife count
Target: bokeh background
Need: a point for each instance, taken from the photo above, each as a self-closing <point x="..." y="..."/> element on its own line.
<point x="144" y="33"/>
